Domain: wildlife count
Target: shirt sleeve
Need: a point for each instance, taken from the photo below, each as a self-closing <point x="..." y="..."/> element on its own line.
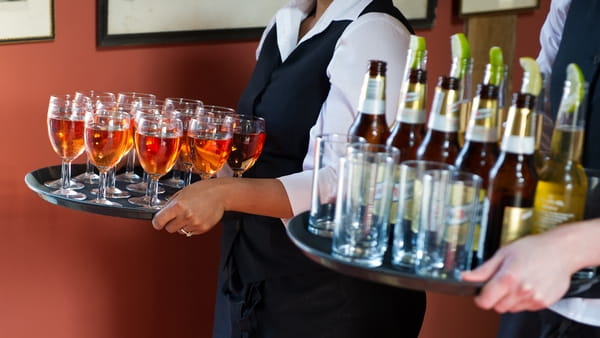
<point x="551" y="34"/>
<point x="373" y="36"/>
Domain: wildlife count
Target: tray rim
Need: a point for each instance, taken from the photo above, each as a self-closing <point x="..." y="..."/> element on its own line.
<point x="34" y="184"/>
<point x="384" y="274"/>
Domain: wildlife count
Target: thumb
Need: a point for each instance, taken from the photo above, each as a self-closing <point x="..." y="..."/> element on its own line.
<point x="484" y="271"/>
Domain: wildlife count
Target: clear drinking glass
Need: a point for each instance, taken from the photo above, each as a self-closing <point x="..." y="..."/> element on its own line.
<point x="106" y="137"/>
<point x="210" y="139"/>
<point x="65" y="121"/>
<point x="157" y="141"/>
<point x="249" y="136"/>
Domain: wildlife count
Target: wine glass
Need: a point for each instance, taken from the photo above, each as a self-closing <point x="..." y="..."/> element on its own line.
<point x="210" y="139"/>
<point x="65" y="121"/>
<point x="248" y="141"/>
<point x="90" y="176"/>
<point x="106" y="136"/>
<point x="185" y="109"/>
<point x="157" y="141"/>
<point x="217" y="110"/>
<point x="129" y="99"/>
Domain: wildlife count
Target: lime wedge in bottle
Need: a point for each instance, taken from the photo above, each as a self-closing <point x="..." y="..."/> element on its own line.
<point x="577" y="89"/>
<point x="496" y="66"/>
<point x="417" y="46"/>
<point x="461" y="55"/>
<point x="532" y="77"/>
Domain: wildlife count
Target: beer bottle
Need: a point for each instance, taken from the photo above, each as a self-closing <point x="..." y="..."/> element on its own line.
<point x="440" y="143"/>
<point x="508" y="207"/>
<point x="480" y="151"/>
<point x="562" y="185"/>
<point x="408" y="130"/>
<point x="370" y="122"/>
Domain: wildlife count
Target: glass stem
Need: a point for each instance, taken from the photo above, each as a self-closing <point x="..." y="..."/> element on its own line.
<point x="112" y="181"/>
<point x="89" y="168"/>
<point x="188" y="175"/>
<point x="65" y="174"/>
<point x="130" y="166"/>
<point x="102" y="183"/>
<point x="153" y="189"/>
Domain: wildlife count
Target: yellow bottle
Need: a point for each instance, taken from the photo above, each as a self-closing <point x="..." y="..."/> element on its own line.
<point x="562" y="186"/>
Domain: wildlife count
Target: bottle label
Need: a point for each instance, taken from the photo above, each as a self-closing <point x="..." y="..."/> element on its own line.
<point x="518" y="144"/>
<point x="374" y="98"/>
<point x="413" y="116"/>
<point x="445" y="109"/>
<point x="558" y="203"/>
<point x="516" y="223"/>
<point x="481" y="134"/>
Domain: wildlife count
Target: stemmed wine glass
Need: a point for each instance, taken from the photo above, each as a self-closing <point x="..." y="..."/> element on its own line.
<point x="157" y="141"/>
<point x="248" y="140"/>
<point x="89" y="176"/>
<point x="129" y="100"/>
<point x="210" y="138"/>
<point x="106" y="137"/>
<point x="185" y="109"/>
<point x="65" y="121"/>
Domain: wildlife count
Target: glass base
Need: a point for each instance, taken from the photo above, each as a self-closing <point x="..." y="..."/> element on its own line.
<point x="173" y="183"/>
<point x="57" y="184"/>
<point x="106" y="202"/>
<point x="113" y="192"/>
<point x="129" y="177"/>
<point x="144" y="201"/>
<point x="87" y="178"/>
<point x="142" y="187"/>
<point x="70" y="194"/>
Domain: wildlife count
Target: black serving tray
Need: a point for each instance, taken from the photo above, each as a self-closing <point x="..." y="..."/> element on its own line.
<point x="318" y="249"/>
<point x="35" y="181"/>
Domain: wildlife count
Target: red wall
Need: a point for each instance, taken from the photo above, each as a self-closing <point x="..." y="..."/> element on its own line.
<point x="65" y="273"/>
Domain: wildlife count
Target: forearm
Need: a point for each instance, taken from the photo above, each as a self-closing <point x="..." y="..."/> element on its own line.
<point x="580" y="241"/>
<point x="266" y="197"/>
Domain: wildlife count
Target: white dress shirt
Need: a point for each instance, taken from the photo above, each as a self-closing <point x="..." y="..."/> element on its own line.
<point x="583" y="310"/>
<point x="370" y="36"/>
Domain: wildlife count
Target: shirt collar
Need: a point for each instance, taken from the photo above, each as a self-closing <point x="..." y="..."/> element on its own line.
<point x="289" y="18"/>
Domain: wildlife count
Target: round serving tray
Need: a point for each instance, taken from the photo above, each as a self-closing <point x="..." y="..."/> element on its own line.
<point x="318" y="249"/>
<point x="35" y="181"/>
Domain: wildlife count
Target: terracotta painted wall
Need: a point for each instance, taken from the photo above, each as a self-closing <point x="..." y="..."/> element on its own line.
<point x="67" y="274"/>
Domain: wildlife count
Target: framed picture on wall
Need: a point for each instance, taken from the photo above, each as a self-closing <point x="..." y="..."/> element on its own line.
<point x="128" y="22"/>
<point x="471" y="7"/>
<point x="26" y="20"/>
<point x="133" y="22"/>
<point x="420" y="13"/>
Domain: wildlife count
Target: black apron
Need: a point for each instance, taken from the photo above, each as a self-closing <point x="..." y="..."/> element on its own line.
<point x="267" y="287"/>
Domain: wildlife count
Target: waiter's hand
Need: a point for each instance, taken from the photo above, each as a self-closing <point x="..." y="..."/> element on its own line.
<point x="529" y="274"/>
<point x="194" y="209"/>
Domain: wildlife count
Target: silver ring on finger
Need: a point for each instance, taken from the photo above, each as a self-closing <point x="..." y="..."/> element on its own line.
<point x="187" y="233"/>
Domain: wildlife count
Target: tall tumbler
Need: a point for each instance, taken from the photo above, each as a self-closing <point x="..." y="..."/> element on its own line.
<point x="329" y="148"/>
<point x="364" y="199"/>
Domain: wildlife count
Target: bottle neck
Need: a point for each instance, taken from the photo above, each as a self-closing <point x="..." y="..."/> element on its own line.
<point x="445" y="109"/>
<point x="372" y="100"/>
<point x="413" y="111"/>
<point x="483" y="121"/>
<point x="519" y="133"/>
<point x="567" y="144"/>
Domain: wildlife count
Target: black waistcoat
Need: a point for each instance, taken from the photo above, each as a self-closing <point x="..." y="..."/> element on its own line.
<point x="289" y="95"/>
<point x="581" y="44"/>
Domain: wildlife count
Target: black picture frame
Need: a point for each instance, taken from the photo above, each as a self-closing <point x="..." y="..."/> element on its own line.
<point x="476" y="7"/>
<point x="105" y="39"/>
<point x="424" y="17"/>
<point x="26" y="21"/>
